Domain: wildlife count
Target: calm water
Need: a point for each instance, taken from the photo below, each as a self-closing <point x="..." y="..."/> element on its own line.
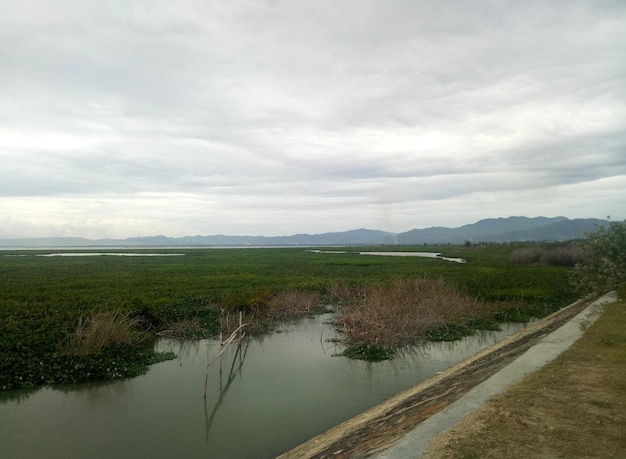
<point x="283" y="389"/>
<point x="395" y="254"/>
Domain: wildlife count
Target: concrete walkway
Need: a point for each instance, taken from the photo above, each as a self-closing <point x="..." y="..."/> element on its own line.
<point x="415" y="443"/>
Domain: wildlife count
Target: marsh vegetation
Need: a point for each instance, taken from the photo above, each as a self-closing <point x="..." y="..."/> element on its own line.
<point x="71" y="319"/>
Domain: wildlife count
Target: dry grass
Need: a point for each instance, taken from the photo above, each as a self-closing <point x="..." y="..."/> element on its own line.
<point x="99" y="330"/>
<point x="290" y="304"/>
<point x="229" y="322"/>
<point x="188" y="328"/>
<point x="260" y="315"/>
<point x="574" y="407"/>
<point x="567" y="255"/>
<point x="402" y="312"/>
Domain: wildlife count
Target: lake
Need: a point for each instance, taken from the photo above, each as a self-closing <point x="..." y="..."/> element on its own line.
<point x="278" y="391"/>
<point x="396" y="254"/>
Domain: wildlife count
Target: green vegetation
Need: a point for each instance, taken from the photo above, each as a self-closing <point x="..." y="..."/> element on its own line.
<point x="603" y="265"/>
<point x="62" y="317"/>
<point x="369" y="352"/>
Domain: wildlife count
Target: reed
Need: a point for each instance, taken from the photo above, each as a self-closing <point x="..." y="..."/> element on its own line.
<point x="102" y="329"/>
<point x="403" y="312"/>
<point x="185" y="329"/>
<point x="291" y="304"/>
<point x="262" y="312"/>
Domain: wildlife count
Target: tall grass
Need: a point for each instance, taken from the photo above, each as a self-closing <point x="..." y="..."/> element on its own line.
<point x="99" y="330"/>
<point x="288" y="304"/>
<point x="402" y="312"/>
<point x="263" y="310"/>
<point x="567" y="255"/>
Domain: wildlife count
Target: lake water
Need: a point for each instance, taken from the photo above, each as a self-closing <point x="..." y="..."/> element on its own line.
<point x="279" y="391"/>
<point x="396" y="254"/>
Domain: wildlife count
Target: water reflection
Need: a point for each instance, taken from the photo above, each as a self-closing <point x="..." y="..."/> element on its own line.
<point x="274" y="392"/>
<point x="235" y="369"/>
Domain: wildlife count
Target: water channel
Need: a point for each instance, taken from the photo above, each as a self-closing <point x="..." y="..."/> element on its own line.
<point x="279" y="391"/>
<point x="436" y="255"/>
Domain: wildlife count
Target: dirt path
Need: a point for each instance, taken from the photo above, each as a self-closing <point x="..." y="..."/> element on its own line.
<point x="374" y="430"/>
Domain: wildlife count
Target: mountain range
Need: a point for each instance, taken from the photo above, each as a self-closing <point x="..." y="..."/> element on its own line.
<point x="509" y="229"/>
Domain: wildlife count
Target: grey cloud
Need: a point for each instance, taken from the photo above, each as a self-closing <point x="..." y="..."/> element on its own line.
<point x="289" y="106"/>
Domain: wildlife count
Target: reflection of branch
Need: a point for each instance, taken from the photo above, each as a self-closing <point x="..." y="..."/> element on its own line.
<point x="231" y="376"/>
<point x="223" y="347"/>
<point x="235" y="357"/>
<point x="334" y="341"/>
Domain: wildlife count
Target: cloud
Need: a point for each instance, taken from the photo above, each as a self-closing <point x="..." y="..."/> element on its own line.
<point x="279" y="117"/>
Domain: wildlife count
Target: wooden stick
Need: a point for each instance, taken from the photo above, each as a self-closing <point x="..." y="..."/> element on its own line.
<point x="223" y="346"/>
<point x="206" y="372"/>
<point x="240" y="322"/>
<point x="228" y="342"/>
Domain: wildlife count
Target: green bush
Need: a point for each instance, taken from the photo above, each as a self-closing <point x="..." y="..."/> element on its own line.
<point x="451" y="332"/>
<point x="369" y="352"/>
<point x="604" y="259"/>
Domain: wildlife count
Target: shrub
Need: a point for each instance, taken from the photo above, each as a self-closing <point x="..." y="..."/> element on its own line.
<point x="289" y="304"/>
<point x="186" y="328"/>
<point x="104" y="329"/>
<point x="526" y="256"/>
<point x="603" y="265"/>
<point x="403" y="312"/>
<point x="262" y="311"/>
<point x="567" y="255"/>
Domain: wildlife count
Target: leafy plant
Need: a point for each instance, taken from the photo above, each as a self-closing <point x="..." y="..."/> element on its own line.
<point x="450" y="332"/>
<point x="604" y="259"/>
<point x="43" y="298"/>
<point x="369" y="352"/>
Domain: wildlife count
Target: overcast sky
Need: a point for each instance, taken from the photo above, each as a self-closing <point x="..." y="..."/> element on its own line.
<point x="136" y="118"/>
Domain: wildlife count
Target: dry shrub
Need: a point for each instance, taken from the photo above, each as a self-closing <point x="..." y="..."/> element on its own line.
<point x="290" y="304"/>
<point x="342" y="293"/>
<point x="261" y="314"/>
<point x="229" y="322"/>
<point x="567" y="255"/>
<point x="99" y="330"/>
<point x="187" y="328"/>
<point x="526" y="256"/>
<point x="564" y="256"/>
<point x="403" y="312"/>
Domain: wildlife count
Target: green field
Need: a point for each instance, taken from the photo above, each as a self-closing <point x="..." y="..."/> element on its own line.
<point x="43" y="299"/>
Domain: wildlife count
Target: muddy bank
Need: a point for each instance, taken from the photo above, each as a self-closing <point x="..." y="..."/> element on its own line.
<point x="377" y="428"/>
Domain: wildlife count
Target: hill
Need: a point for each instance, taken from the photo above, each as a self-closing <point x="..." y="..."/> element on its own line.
<point x="509" y="229"/>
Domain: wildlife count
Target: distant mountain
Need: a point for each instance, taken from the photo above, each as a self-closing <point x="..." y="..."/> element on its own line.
<point x="508" y="229"/>
<point x="563" y="230"/>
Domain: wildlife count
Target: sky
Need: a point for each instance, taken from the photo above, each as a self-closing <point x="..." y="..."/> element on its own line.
<point x="138" y="117"/>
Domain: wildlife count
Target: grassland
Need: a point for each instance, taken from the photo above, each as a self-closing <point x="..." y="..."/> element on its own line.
<point x="49" y="305"/>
